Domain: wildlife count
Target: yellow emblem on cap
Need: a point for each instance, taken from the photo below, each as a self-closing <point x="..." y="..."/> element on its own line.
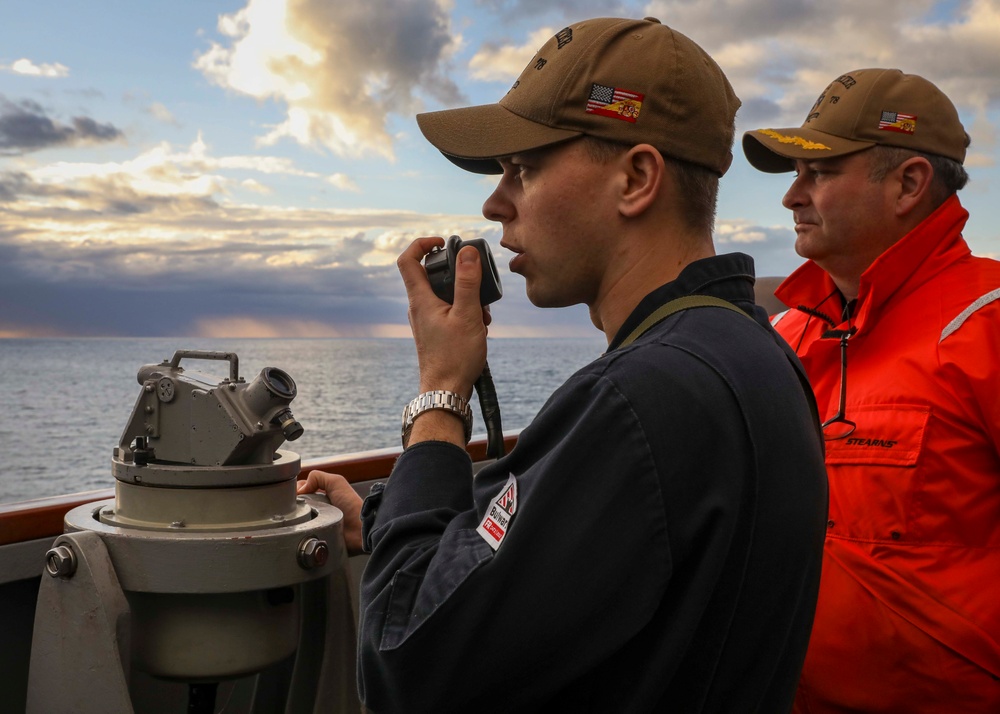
<point x="797" y="140"/>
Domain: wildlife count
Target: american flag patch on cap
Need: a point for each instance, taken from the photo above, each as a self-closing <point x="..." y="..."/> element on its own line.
<point x="614" y="102"/>
<point x="896" y="121"/>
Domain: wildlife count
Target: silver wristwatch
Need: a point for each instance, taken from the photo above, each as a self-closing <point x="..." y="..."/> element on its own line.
<point x="437" y="399"/>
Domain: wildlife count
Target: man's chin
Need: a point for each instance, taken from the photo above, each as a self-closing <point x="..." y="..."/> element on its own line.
<point x="804" y="246"/>
<point x="540" y="299"/>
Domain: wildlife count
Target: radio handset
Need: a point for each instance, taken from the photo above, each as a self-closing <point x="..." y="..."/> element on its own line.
<point x="440" y="267"/>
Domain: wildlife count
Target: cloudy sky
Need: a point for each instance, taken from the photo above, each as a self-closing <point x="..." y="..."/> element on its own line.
<point x="253" y="167"/>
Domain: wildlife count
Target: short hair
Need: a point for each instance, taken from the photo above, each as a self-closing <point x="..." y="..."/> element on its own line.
<point x="697" y="186"/>
<point x="949" y="175"/>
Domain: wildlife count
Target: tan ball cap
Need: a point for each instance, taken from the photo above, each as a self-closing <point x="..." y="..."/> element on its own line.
<point x="859" y="110"/>
<point x="633" y="81"/>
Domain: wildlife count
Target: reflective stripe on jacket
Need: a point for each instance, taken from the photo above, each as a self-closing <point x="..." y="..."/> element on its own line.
<point x="909" y="610"/>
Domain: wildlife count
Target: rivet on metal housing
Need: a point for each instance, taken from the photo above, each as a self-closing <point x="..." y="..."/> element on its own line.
<point x="313" y="553"/>
<point x="60" y="562"/>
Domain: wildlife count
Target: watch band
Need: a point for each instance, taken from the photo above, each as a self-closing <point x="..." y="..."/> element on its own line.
<point x="437" y="399"/>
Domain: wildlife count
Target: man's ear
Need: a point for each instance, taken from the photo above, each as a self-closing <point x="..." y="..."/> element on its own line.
<point x="643" y="172"/>
<point x="916" y="181"/>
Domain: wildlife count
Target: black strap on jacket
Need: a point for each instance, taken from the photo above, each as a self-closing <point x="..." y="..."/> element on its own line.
<point x="689" y="301"/>
<point x="676" y="305"/>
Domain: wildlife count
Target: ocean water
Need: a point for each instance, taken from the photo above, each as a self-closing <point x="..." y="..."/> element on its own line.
<point x="65" y="402"/>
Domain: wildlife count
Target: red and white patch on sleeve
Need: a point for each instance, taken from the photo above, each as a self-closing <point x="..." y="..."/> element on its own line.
<point x="497" y="520"/>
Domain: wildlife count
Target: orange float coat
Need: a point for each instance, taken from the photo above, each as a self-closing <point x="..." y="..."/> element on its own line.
<point x="908" y="618"/>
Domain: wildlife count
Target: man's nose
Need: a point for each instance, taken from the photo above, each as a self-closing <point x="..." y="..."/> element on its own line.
<point x="497" y="206"/>
<point x="795" y="196"/>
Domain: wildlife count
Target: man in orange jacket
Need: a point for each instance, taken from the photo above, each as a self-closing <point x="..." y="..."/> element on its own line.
<point x="898" y="327"/>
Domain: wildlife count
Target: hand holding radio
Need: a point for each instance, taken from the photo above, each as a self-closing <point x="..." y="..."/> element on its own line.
<point x="450" y="338"/>
<point x="440" y="266"/>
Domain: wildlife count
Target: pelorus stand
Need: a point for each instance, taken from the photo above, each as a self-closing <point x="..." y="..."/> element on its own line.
<point x="206" y="584"/>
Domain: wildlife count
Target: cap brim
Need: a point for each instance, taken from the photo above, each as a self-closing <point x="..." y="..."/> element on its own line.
<point x="774" y="151"/>
<point x="474" y="137"/>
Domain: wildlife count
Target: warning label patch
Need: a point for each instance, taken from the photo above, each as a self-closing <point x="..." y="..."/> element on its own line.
<point x="499" y="515"/>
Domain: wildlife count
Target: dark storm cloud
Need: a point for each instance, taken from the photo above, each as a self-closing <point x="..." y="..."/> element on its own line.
<point x="159" y="310"/>
<point x="236" y="265"/>
<point x="12" y="185"/>
<point x="16" y="184"/>
<point x="25" y="127"/>
<point x="98" y="198"/>
<point x="102" y="288"/>
<point x="88" y="129"/>
<point x="172" y="287"/>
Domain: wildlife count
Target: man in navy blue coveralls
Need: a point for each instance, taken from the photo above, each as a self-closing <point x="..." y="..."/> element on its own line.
<point x="653" y="541"/>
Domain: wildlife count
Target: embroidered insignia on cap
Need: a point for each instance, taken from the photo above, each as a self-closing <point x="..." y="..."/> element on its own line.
<point x="895" y="121"/>
<point x="499" y="515"/>
<point x="797" y="140"/>
<point x="847" y="80"/>
<point x="614" y="102"/>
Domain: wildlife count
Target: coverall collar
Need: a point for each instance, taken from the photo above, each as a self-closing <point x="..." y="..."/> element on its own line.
<point x="729" y="276"/>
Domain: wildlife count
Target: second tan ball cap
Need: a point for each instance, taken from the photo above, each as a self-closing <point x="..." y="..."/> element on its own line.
<point x="861" y="109"/>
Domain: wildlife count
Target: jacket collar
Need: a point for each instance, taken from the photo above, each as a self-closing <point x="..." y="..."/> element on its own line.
<point x="729" y="276"/>
<point x="911" y="261"/>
